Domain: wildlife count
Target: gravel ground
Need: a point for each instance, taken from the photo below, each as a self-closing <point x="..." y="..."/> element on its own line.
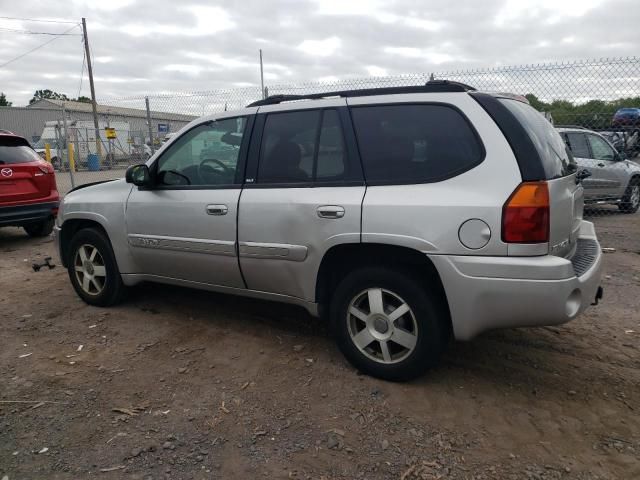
<point x="180" y="384"/>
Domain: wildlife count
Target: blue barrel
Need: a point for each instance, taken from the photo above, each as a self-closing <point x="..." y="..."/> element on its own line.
<point x="92" y="162"/>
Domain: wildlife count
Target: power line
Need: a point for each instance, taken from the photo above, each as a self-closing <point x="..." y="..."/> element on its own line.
<point x="36" y="48"/>
<point x="38" y="20"/>
<point x="30" y="32"/>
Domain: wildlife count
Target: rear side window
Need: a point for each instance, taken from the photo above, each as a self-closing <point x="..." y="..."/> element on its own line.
<point x="577" y="142"/>
<point x="556" y="157"/>
<point x="414" y="143"/>
<point x="302" y="147"/>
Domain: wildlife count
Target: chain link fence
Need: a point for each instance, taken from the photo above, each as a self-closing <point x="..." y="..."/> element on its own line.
<point x="594" y="103"/>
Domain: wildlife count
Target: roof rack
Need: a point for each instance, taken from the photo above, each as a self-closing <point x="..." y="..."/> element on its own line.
<point x="578" y="127"/>
<point x="429" y="87"/>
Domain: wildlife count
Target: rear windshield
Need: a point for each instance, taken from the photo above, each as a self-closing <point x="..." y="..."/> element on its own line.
<point x="556" y="157"/>
<point x="13" y="150"/>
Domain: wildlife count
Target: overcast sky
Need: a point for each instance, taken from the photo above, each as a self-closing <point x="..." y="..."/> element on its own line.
<point x="161" y="46"/>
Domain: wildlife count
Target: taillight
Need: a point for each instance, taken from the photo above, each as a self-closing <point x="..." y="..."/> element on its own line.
<point x="525" y="216"/>
<point x="45" y="167"/>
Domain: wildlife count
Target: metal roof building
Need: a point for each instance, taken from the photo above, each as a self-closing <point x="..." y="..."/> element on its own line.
<point x="29" y="121"/>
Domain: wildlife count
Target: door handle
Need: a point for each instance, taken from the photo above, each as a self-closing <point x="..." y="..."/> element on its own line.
<point x="601" y="164"/>
<point x="217" y="209"/>
<point x="330" y="211"/>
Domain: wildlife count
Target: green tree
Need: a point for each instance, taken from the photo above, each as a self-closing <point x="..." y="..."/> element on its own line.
<point x="591" y="114"/>
<point x="83" y="99"/>
<point x="48" y="94"/>
<point x="3" y="100"/>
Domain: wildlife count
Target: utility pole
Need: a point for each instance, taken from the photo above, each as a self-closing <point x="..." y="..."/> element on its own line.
<point x="262" y="77"/>
<point x="93" y="90"/>
<point x="146" y="102"/>
<point x="66" y="147"/>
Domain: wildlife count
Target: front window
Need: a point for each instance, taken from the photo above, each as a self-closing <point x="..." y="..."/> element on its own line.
<point x="205" y="155"/>
<point x="601" y="149"/>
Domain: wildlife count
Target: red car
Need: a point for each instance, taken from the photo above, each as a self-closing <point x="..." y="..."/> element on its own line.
<point x="28" y="193"/>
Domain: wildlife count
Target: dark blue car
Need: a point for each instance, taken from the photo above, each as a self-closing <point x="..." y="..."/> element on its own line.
<point x="626" y="117"/>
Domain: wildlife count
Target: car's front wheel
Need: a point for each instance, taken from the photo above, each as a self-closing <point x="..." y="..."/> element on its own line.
<point x="93" y="270"/>
<point x="388" y="323"/>
<point x="631" y="200"/>
<point x="40" y="229"/>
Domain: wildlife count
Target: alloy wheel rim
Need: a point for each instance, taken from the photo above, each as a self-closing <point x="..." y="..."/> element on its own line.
<point x="382" y="326"/>
<point x="90" y="269"/>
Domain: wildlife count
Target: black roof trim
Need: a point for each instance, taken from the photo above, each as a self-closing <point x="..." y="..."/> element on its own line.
<point x="430" y="87"/>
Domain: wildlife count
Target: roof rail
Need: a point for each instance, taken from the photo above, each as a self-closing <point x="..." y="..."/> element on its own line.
<point x="429" y="87"/>
<point x="579" y="127"/>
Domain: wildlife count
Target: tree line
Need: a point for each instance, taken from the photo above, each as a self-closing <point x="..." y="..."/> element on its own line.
<point x="594" y="114"/>
<point x="44" y="94"/>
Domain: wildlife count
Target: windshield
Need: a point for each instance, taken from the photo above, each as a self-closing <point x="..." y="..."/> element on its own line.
<point x="557" y="160"/>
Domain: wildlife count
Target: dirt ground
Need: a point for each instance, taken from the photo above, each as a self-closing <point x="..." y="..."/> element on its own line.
<point x="180" y="384"/>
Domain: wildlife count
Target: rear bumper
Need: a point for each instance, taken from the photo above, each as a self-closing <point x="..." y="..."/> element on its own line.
<point x="20" y="215"/>
<point x="486" y="293"/>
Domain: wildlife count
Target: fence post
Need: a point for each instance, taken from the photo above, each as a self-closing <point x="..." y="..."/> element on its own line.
<point x="153" y="148"/>
<point x="66" y="146"/>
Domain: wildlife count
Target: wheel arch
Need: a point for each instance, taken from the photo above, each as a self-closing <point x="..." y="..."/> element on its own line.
<point x="341" y="259"/>
<point x="70" y="227"/>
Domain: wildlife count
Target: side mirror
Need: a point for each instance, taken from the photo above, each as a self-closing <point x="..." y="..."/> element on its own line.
<point x="138" y="175"/>
<point x="619" y="156"/>
<point x="582" y="174"/>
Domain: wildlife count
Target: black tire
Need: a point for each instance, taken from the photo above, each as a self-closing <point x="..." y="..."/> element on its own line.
<point x="427" y="311"/>
<point x="40" y="229"/>
<point x="113" y="289"/>
<point x="631" y="199"/>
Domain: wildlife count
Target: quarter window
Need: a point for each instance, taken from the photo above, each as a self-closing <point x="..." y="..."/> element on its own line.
<point x="414" y="143"/>
<point x="205" y="155"/>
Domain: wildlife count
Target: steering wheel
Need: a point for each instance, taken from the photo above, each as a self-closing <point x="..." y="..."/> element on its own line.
<point x="215" y="171"/>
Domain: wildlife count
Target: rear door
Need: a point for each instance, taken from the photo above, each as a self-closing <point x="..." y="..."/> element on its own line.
<point x="23" y="177"/>
<point x="303" y="194"/>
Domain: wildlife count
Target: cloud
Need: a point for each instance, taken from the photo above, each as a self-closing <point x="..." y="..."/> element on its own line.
<point x="320" y="48"/>
<point x="143" y="47"/>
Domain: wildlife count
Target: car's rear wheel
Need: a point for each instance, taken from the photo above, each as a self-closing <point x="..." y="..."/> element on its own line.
<point x="631" y="200"/>
<point x="40" y="229"/>
<point x="93" y="270"/>
<point x="388" y="323"/>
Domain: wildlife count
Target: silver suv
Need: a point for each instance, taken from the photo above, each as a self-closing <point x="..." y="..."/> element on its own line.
<point x="405" y="216"/>
<point x="614" y="179"/>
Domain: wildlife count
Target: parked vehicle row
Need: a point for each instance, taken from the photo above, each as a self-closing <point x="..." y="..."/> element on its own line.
<point x="405" y="216"/>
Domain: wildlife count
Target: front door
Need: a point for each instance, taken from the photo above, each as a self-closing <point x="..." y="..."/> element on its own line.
<point x="303" y="195"/>
<point x="596" y="186"/>
<point x="608" y="167"/>
<point x="184" y="227"/>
